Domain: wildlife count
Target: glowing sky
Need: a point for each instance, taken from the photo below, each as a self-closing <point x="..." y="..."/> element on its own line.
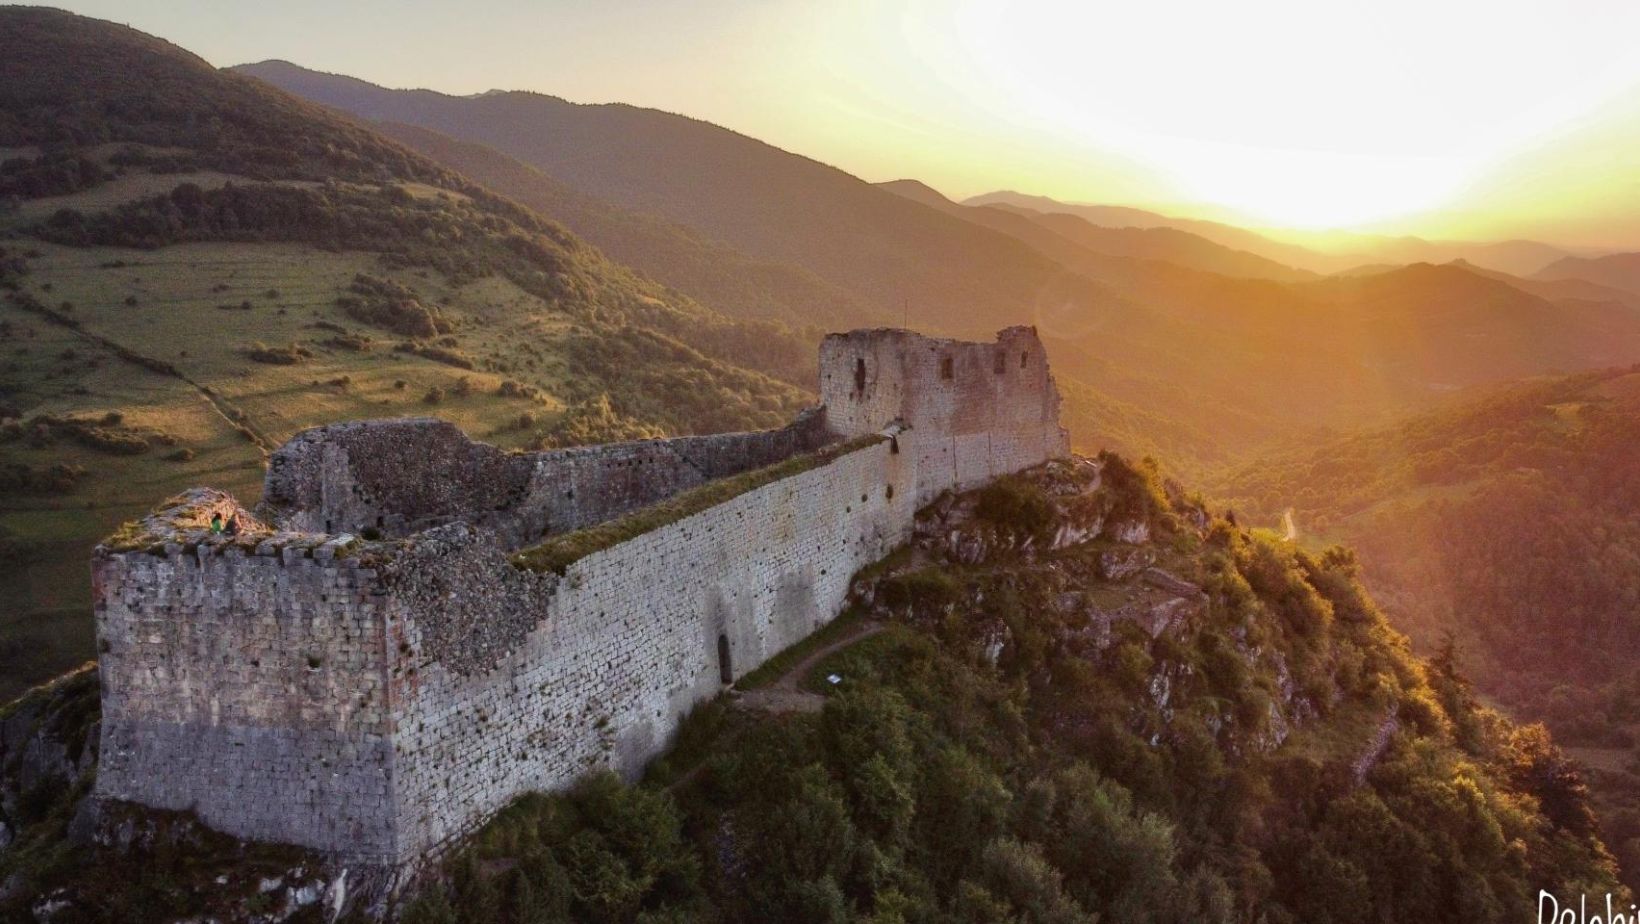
<point x="1405" y="115"/>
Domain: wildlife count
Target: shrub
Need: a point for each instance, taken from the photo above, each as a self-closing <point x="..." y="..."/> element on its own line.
<point x="22" y="478"/>
<point x="291" y="355"/>
<point x="353" y="343"/>
<point x="1015" y="503"/>
<point x="391" y="306"/>
<point x="437" y="354"/>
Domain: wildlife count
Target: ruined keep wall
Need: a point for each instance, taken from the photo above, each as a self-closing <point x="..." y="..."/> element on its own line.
<point x="507" y="681"/>
<point x="977" y="410"/>
<point x="249" y="685"/>
<point x="403" y="476"/>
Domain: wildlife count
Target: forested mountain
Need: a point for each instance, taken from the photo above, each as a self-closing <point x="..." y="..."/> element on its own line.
<point x="1333" y="252"/>
<point x="677" y="256"/>
<point x="1617" y="271"/>
<point x="1511" y="523"/>
<point x="1159" y="243"/>
<point x="195" y="265"/>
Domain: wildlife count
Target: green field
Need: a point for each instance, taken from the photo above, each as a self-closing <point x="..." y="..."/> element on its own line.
<point x="66" y="372"/>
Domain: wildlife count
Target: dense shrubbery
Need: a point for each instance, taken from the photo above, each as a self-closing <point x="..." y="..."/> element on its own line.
<point x="107" y="434"/>
<point x="439" y="354"/>
<point x="56" y="174"/>
<point x="593" y="421"/>
<point x="1510" y="522"/>
<point x="1017" y="503"/>
<point x="22" y="478"/>
<point x="391" y="306"/>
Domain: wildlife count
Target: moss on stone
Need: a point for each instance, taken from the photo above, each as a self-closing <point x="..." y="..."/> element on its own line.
<point x="557" y="553"/>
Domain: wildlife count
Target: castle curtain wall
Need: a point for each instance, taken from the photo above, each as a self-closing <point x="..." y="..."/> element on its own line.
<point x="379" y="698"/>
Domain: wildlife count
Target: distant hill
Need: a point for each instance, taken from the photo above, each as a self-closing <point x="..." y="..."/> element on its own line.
<point x="1160" y="243"/>
<point x="1118" y="216"/>
<point x="1512" y="521"/>
<point x="1336" y="352"/>
<point x="196" y="265"/>
<point x="1332" y="252"/>
<point x="1617" y="271"/>
<point x="1560" y="289"/>
<point x="1458" y="327"/>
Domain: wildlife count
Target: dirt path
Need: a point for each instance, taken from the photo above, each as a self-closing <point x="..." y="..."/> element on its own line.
<point x="784" y="695"/>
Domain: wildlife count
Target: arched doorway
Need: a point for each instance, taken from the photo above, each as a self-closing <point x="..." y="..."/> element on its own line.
<point x="726" y="670"/>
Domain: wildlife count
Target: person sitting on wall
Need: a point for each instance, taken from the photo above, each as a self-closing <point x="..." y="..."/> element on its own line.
<point x="232" y="526"/>
<point x="216" y="523"/>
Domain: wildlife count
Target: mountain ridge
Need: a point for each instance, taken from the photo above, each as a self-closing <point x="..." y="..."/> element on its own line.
<point x="1518" y="257"/>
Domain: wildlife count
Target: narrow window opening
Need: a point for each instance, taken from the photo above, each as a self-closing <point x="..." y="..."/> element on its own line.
<point x="946" y="370"/>
<point x="726" y="671"/>
<point x="859" y="374"/>
<point x="1024" y="358"/>
<point x="893" y="445"/>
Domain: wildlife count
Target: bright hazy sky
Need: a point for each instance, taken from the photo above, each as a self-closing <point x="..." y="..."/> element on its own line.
<point x="1445" y="117"/>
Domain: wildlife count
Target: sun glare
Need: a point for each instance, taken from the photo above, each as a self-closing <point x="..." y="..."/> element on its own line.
<point x="1266" y="112"/>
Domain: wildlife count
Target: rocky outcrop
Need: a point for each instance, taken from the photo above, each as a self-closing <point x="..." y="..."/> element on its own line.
<point x="48" y="745"/>
<point x="957" y="528"/>
<point x="1091" y="572"/>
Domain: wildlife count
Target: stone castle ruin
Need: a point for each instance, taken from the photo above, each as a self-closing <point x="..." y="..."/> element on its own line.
<point x="414" y="628"/>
